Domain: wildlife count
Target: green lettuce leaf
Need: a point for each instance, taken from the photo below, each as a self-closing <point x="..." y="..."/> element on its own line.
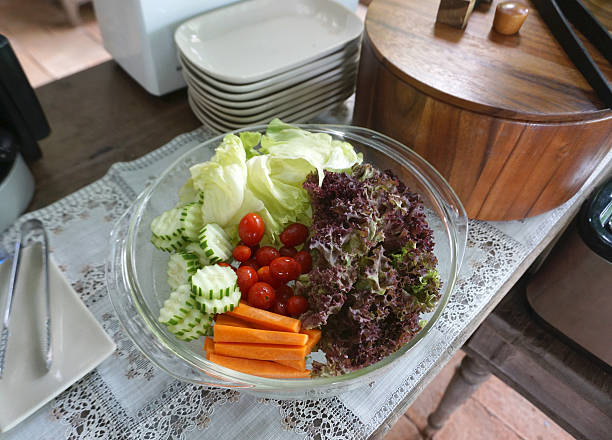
<point x="222" y="180"/>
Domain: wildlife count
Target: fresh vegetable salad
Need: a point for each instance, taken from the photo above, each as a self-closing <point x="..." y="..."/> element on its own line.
<point x="286" y="242"/>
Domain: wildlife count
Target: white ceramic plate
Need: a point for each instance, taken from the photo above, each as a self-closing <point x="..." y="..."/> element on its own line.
<point x="292" y="106"/>
<point x="279" y="104"/>
<point x="281" y="96"/>
<point x="290" y="116"/>
<point x="346" y="53"/>
<point x="79" y="343"/>
<point x="255" y="39"/>
<point x="337" y="67"/>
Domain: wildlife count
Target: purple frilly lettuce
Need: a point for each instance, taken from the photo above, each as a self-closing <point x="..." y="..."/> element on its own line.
<point x="374" y="271"/>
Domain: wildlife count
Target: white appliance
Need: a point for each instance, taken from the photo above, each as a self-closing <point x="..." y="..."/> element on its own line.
<point x="139" y="34"/>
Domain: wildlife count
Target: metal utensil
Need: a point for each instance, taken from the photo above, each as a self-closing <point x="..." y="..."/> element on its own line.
<point x="28" y="230"/>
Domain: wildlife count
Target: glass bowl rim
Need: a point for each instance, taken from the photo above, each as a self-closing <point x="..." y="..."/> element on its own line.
<point x="239" y="379"/>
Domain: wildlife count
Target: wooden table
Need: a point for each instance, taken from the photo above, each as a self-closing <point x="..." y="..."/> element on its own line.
<point x="101" y="116"/>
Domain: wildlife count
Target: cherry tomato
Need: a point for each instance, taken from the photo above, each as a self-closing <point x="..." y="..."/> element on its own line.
<point x="296" y="305"/>
<point x="265" y="255"/>
<point x="285" y="269"/>
<point x="287" y="251"/>
<point x="280" y="307"/>
<point x="264" y="275"/>
<point x="305" y="260"/>
<point x="241" y="253"/>
<point x="283" y="293"/>
<point x="294" y="234"/>
<point x="223" y="264"/>
<point x="261" y="295"/>
<point x="251" y="228"/>
<point x="247" y="277"/>
<point x="251" y="262"/>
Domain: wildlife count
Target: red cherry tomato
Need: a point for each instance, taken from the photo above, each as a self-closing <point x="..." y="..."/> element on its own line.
<point x="265" y="255"/>
<point x="251" y="262"/>
<point x="264" y="275"/>
<point x="251" y="228"/>
<point x="283" y="293"/>
<point x="241" y="253"/>
<point x="294" y="234"/>
<point x="296" y="305"/>
<point x="287" y="251"/>
<point x="305" y="260"/>
<point x="261" y="295"/>
<point x="280" y="307"/>
<point x="247" y="277"/>
<point x="285" y="269"/>
<point x="223" y="264"/>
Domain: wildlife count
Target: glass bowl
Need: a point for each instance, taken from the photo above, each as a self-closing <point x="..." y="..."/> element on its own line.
<point x="136" y="271"/>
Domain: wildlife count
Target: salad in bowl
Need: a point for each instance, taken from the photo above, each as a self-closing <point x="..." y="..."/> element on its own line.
<point x="292" y="258"/>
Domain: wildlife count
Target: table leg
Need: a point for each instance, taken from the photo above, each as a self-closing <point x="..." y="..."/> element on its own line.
<point x="467" y="378"/>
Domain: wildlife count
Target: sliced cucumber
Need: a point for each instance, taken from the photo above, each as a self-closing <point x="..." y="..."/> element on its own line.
<point x="177" y="306"/>
<point x="192" y="326"/>
<point x="213" y="282"/>
<point x="225" y="304"/>
<point x="216" y="243"/>
<point x="168" y="231"/>
<point x="196" y="249"/>
<point x="191" y="221"/>
<point x="181" y="267"/>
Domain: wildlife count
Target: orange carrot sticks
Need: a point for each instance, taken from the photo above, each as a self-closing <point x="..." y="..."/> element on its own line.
<point x="209" y="345"/>
<point x="228" y="333"/>
<point x="257" y="367"/>
<point x="298" y="365"/>
<point x="225" y="319"/>
<point x="265" y="319"/>
<point x="314" y="336"/>
<point x="266" y="352"/>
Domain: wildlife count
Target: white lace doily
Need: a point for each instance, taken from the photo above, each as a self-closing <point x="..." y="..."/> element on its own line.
<point x="126" y="397"/>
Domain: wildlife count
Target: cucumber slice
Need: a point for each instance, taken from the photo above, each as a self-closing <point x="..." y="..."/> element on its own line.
<point x="177" y="306"/>
<point x="193" y="326"/>
<point x="213" y="282"/>
<point x="168" y="231"/>
<point x="216" y="243"/>
<point x="196" y="249"/>
<point x="191" y="221"/>
<point x="181" y="267"/>
<point x="225" y="304"/>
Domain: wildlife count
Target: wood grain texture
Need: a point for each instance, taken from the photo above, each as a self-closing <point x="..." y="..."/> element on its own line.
<point x="501" y="167"/>
<point x="526" y="76"/>
<point x="545" y="369"/>
<point x="98" y="117"/>
<point x="455" y="13"/>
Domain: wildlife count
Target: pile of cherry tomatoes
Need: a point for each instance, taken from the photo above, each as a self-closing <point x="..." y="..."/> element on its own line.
<point x="265" y="271"/>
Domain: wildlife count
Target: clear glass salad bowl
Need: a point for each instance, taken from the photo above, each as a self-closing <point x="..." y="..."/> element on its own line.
<point x="136" y="271"/>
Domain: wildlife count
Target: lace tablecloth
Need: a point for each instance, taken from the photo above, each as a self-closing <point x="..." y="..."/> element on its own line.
<point x="126" y="397"/>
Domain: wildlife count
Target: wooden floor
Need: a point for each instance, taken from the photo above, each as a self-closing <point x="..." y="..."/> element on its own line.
<point x="49" y="48"/>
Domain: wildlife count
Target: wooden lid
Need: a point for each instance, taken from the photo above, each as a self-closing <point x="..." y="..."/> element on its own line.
<point x="526" y="76"/>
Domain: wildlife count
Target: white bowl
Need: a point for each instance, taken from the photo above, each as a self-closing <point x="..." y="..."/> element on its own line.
<point x="255" y="39"/>
<point x="16" y="191"/>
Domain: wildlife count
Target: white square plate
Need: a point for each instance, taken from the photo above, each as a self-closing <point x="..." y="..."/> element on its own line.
<point x="79" y="343"/>
<point x="255" y="39"/>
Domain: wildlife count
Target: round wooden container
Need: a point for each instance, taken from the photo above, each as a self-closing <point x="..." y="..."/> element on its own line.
<point x="507" y="120"/>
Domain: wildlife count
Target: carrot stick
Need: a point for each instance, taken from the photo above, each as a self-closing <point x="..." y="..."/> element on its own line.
<point x="258" y="367"/>
<point x="314" y="336"/>
<point x="265" y="319"/>
<point x="209" y="345"/>
<point x="228" y="333"/>
<point x="266" y="352"/>
<point x="298" y="365"/>
<point x="225" y="319"/>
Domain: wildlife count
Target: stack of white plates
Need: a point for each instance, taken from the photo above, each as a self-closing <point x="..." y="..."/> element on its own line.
<point x="255" y="60"/>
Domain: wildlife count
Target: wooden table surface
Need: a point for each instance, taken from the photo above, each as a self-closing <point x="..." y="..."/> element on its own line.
<point x="98" y="117"/>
